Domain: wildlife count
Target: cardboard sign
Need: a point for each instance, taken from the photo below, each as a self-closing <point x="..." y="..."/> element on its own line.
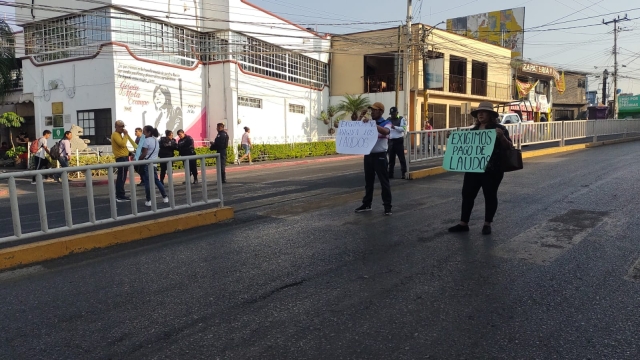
<point x="469" y="151"/>
<point x="356" y="137"/>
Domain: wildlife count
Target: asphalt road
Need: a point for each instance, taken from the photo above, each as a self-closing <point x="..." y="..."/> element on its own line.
<point x="305" y="277"/>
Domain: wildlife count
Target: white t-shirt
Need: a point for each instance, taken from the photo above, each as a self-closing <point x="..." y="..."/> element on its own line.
<point x="152" y="146"/>
<point x="42" y="142"/>
<point x="246" y="138"/>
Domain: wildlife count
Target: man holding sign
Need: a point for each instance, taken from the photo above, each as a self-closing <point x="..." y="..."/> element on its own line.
<point x="477" y="153"/>
<point x="375" y="163"/>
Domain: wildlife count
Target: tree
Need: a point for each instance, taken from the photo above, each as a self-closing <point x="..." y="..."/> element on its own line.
<point x="352" y="106"/>
<point x="11" y="120"/>
<point x="7" y="58"/>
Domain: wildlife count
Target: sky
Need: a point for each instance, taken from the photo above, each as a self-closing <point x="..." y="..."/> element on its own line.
<point x="586" y="46"/>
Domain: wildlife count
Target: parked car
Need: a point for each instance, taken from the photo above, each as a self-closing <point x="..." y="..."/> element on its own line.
<point x="513" y="119"/>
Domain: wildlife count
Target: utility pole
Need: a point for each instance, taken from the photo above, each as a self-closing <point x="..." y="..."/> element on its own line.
<point x="615" y="60"/>
<point x="605" y="78"/>
<point x="398" y="70"/>
<point x="407" y="59"/>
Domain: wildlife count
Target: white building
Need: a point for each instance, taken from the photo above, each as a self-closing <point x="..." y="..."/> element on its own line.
<point x="174" y="65"/>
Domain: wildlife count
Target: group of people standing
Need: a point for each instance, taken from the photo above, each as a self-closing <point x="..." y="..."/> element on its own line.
<point x="391" y="142"/>
<point x="149" y="146"/>
<point x="41" y="149"/>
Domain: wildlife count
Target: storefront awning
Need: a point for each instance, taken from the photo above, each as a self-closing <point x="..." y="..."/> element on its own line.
<point x="17" y="98"/>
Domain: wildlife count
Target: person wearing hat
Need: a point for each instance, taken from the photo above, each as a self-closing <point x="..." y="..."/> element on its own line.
<point x="486" y="118"/>
<point x="396" y="142"/>
<point x="119" y="140"/>
<point x="376" y="162"/>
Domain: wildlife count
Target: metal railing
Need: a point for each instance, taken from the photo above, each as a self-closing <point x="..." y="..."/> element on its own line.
<point x="111" y="167"/>
<point x="431" y="144"/>
<point x="478" y="87"/>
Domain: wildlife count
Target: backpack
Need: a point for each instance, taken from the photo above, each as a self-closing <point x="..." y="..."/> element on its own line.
<point x="34" y="146"/>
<point x="54" y="152"/>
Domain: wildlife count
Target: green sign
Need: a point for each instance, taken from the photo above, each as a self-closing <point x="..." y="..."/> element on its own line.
<point x="58" y="133"/>
<point x="629" y="103"/>
<point x="469" y="151"/>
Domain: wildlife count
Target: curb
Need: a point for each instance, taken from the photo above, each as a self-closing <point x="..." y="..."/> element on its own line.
<point x="57" y="248"/>
<point x="419" y="174"/>
<point x="267" y="165"/>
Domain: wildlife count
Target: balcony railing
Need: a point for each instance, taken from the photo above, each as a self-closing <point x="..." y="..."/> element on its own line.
<point x="381" y="83"/>
<point x="490" y="89"/>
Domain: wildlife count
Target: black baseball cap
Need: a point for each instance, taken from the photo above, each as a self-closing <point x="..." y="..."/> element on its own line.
<point x="393" y="109"/>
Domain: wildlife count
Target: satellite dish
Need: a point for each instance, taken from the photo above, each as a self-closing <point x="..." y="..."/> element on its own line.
<point x="619" y="91"/>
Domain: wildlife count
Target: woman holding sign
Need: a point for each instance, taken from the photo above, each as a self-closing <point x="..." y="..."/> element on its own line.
<point x="489" y="181"/>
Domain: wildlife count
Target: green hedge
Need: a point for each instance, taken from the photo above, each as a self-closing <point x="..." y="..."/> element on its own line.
<point x="270" y="152"/>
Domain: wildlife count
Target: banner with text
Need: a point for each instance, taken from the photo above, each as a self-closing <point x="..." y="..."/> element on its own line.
<point x="469" y="151"/>
<point x="356" y="137"/>
<point x="163" y="97"/>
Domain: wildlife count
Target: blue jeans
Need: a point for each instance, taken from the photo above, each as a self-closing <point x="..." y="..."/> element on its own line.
<point x="64" y="162"/>
<point x="144" y="171"/>
<point x="121" y="179"/>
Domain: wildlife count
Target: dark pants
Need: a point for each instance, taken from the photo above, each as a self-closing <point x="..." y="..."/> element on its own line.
<point x="40" y="163"/>
<point x="122" y="177"/>
<point x="489" y="182"/>
<point x="193" y="168"/>
<point x="396" y="148"/>
<point x="163" y="171"/>
<point x="376" y="164"/>
<point x="223" y="164"/>
<point x="64" y="162"/>
<point x="144" y="176"/>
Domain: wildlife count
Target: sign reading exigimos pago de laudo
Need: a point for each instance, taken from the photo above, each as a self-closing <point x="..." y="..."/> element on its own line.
<point x="469" y="151"/>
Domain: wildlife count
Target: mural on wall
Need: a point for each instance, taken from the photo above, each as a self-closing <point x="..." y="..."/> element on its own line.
<point x="504" y="28"/>
<point x="165" y="98"/>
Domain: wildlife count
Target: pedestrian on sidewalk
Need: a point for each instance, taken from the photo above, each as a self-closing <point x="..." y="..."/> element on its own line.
<point x="40" y="156"/>
<point x="489" y="181"/>
<point x="396" y="142"/>
<point x="139" y="137"/>
<point x="150" y="150"/>
<point x="167" y="147"/>
<point x="186" y="147"/>
<point x="220" y="145"/>
<point x="65" y="153"/>
<point x="246" y="145"/>
<point x="119" y="140"/>
<point x="376" y="162"/>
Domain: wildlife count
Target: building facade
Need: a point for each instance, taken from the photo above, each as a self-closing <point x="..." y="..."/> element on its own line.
<point x="457" y="73"/>
<point x="172" y="65"/>
<point x="572" y="103"/>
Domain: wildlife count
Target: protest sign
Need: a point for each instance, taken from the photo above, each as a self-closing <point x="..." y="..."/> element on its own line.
<point x="469" y="151"/>
<point x="356" y="137"/>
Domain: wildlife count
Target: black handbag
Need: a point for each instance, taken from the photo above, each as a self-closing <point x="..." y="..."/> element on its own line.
<point x="511" y="160"/>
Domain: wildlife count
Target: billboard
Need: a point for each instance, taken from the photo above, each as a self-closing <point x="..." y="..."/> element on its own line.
<point x="504" y="28"/>
<point x="164" y="97"/>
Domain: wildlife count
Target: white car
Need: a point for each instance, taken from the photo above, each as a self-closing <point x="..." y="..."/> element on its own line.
<point x="513" y="119"/>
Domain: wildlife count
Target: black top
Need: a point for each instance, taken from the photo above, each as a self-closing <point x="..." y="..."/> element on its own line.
<point x="495" y="162"/>
<point x="186" y="146"/>
<point x="221" y="142"/>
<point x="167" y="147"/>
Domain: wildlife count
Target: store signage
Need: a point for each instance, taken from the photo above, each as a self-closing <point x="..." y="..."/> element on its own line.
<point x="57" y="108"/>
<point x="629" y="103"/>
<point x="58" y="133"/>
<point x="540" y="70"/>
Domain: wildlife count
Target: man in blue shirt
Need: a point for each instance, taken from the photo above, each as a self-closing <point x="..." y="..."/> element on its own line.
<point x="376" y="162"/>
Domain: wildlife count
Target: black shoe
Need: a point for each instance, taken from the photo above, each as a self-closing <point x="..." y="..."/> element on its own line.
<point x="459" y="228"/>
<point x="141" y="184"/>
<point x="224" y="181"/>
<point x="363" y="208"/>
<point x="390" y="176"/>
<point x="486" y="230"/>
<point x="404" y="175"/>
<point x="387" y="211"/>
<point x="123" y="199"/>
<point x="195" y="182"/>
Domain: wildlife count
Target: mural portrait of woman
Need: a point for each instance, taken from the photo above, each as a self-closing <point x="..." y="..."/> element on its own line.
<point x="168" y="115"/>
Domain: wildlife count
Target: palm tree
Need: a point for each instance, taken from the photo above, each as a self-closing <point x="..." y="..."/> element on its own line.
<point x="352" y="106"/>
<point x="7" y="58"/>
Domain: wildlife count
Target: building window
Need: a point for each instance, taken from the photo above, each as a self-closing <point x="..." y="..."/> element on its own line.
<point x="479" y="72"/>
<point x="296" y="109"/>
<point x="438" y="115"/>
<point x="96" y="126"/>
<point x="249" y="102"/>
<point x="457" y="75"/>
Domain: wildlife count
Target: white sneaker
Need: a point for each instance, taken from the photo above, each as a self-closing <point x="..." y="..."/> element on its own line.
<point x="147" y="203"/>
<point x="33" y="183"/>
<point x="165" y="199"/>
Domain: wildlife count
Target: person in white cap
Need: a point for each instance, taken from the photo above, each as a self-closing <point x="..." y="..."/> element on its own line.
<point x="489" y="181"/>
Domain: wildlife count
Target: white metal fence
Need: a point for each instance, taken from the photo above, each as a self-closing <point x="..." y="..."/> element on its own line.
<point x="111" y="171"/>
<point x="426" y="145"/>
